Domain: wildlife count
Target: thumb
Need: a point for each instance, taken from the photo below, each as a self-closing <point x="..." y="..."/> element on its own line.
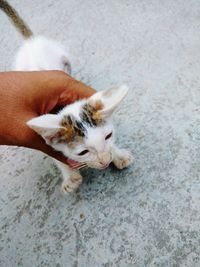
<point x="59" y="156"/>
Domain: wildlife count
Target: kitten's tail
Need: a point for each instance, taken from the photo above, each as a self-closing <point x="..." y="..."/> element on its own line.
<point x="16" y="19"/>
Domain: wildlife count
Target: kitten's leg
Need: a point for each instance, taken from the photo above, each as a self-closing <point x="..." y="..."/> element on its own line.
<point x="71" y="178"/>
<point x="122" y="158"/>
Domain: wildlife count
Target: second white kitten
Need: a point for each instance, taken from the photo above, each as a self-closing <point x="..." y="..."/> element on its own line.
<point x="40" y="53"/>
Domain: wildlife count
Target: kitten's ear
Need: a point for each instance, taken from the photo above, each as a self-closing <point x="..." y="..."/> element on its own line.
<point x="109" y="99"/>
<point x="46" y="125"/>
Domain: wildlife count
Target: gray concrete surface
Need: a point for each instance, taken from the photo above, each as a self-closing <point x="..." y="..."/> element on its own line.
<point x="149" y="214"/>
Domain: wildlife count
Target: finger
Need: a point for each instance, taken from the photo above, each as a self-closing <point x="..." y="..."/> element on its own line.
<point x="74" y="90"/>
<point x="56" y="89"/>
<point x="60" y="157"/>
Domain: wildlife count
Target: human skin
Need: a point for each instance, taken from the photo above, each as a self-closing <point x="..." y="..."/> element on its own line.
<point x="25" y="95"/>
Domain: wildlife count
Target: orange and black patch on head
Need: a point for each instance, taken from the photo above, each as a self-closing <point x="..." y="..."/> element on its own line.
<point x="91" y="113"/>
<point x="72" y="130"/>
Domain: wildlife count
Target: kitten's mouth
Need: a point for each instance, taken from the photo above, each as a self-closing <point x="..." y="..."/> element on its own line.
<point x="104" y="166"/>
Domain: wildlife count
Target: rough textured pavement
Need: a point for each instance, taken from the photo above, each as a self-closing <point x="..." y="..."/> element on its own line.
<point x="149" y="214"/>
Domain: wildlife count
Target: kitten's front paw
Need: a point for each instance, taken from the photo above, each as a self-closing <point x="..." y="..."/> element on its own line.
<point x="123" y="160"/>
<point x="72" y="183"/>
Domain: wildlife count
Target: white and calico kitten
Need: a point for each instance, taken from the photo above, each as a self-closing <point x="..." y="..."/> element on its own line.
<point x="82" y="131"/>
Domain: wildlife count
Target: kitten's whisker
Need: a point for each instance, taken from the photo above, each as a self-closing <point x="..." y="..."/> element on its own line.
<point x="78" y="166"/>
<point x="82" y="166"/>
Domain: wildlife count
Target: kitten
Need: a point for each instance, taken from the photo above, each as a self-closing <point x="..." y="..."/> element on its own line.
<point x="37" y="52"/>
<point x="82" y="131"/>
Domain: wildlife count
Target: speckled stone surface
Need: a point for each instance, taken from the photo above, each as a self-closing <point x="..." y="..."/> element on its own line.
<point x="148" y="214"/>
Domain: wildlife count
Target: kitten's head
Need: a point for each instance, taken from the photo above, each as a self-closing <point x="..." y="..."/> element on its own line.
<point x="83" y="131"/>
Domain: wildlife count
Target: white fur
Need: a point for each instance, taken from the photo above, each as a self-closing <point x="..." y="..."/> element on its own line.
<point x="39" y="53"/>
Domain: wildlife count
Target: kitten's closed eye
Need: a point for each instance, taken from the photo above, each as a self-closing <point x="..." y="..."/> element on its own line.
<point x="83" y="152"/>
<point x="108" y="136"/>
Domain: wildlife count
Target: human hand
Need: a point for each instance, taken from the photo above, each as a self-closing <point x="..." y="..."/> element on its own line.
<point x="25" y="95"/>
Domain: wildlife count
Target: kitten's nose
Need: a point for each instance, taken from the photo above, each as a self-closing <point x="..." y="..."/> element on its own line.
<point x="104" y="159"/>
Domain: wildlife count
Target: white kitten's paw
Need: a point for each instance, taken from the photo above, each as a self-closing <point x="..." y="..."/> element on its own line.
<point x="123" y="160"/>
<point x="72" y="183"/>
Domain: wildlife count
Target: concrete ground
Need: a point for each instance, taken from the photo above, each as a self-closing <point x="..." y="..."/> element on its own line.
<point x="148" y="214"/>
